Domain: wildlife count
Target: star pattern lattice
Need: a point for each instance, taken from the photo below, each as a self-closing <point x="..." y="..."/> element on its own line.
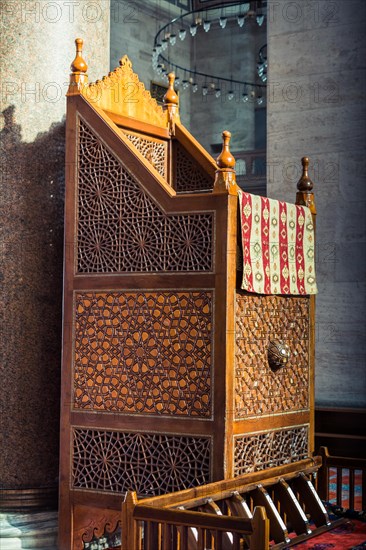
<point x="259" y="390"/>
<point x="269" y="449"/>
<point x="121" y="229"/>
<point x="150" y="464"/>
<point x="143" y="352"/>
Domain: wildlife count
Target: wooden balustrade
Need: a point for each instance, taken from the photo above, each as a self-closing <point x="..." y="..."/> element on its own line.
<point x="340" y="464"/>
<point x="249" y="512"/>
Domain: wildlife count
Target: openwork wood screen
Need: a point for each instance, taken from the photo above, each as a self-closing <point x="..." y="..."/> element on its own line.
<point x="121" y="228"/>
<point x="151" y="464"/>
<point x="254" y="452"/>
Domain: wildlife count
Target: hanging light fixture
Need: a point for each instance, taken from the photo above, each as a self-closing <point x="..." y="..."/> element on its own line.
<point x="182" y="34"/>
<point x="177" y="81"/>
<point x="209" y="84"/>
<point x="206" y="25"/>
<point x="259" y="18"/>
<point x="185" y="81"/>
<point x="193" y="29"/>
<point x="241" y="20"/>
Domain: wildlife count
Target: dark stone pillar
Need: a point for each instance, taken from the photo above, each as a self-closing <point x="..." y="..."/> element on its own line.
<point x="36" y="50"/>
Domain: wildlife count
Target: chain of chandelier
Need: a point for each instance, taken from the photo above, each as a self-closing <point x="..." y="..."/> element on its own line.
<point x="178" y="28"/>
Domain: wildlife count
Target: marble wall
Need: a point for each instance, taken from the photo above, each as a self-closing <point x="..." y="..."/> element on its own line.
<point x="221" y="52"/>
<point x="133" y="29"/>
<point x="230" y="52"/>
<point x="316" y="107"/>
<point x="36" y="49"/>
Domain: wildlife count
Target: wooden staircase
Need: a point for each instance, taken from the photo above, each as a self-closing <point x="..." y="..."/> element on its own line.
<point x="256" y="511"/>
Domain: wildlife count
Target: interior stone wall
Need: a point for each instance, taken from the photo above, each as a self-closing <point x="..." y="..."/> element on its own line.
<point x="36" y="50"/>
<point x="316" y="107"/>
<point x="133" y="29"/>
<point x="230" y="53"/>
<point x="220" y="52"/>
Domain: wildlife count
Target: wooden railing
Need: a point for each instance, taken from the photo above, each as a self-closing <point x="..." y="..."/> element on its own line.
<point x="245" y="512"/>
<point x="340" y="464"/>
<point x="165" y="529"/>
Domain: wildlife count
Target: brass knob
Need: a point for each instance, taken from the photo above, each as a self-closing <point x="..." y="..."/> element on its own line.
<point x="278" y="354"/>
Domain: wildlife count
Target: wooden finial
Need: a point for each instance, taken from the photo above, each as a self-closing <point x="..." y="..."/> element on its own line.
<point x="225" y="178"/>
<point x="305" y="195"/>
<point x="305" y="183"/>
<point x="78" y="76"/>
<point x="79" y="65"/>
<point x="171" y="97"/>
<point x="225" y="158"/>
<point x="171" y="103"/>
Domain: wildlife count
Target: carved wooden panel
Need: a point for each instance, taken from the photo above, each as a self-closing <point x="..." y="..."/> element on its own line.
<point x="121" y="92"/>
<point x="121" y="229"/>
<point x="151" y="464"/>
<point x="155" y="151"/>
<point x="143" y="352"/>
<point x="258" y="389"/>
<point x="189" y="176"/>
<point x="96" y="525"/>
<point x="255" y="452"/>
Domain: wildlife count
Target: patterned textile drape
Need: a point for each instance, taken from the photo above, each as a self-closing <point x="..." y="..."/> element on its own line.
<point x="278" y="246"/>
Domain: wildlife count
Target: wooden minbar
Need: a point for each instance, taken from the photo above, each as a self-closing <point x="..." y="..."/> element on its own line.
<point x="166" y="383"/>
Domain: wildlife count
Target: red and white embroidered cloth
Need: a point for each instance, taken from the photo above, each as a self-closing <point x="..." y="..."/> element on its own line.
<point x="278" y="246"/>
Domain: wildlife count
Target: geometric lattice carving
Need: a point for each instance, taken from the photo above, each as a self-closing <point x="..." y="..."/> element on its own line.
<point x="121" y="229"/>
<point x="154" y="151"/>
<point x="151" y="464"/>
<point x="143" y="352"/>
<point x="189" y="176"/>
<point x="255" y="452"/>
<point x="259" y="390"/>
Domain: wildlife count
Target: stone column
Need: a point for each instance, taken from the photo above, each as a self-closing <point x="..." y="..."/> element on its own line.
<point x="316" y="108"/>
<point x="36" y="49"/>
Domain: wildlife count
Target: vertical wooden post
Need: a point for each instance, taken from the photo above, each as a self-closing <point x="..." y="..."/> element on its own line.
<point x="322" y="478"/>
<point x="225" y="185"/>
<point x="129" y="530"/>
<point x="305" y="197"/>
<point x="260" y="537"/>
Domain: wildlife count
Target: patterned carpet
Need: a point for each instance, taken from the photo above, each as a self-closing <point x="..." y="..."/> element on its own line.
<point x="345" y="488"/>
<point x="349" y="536"/>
